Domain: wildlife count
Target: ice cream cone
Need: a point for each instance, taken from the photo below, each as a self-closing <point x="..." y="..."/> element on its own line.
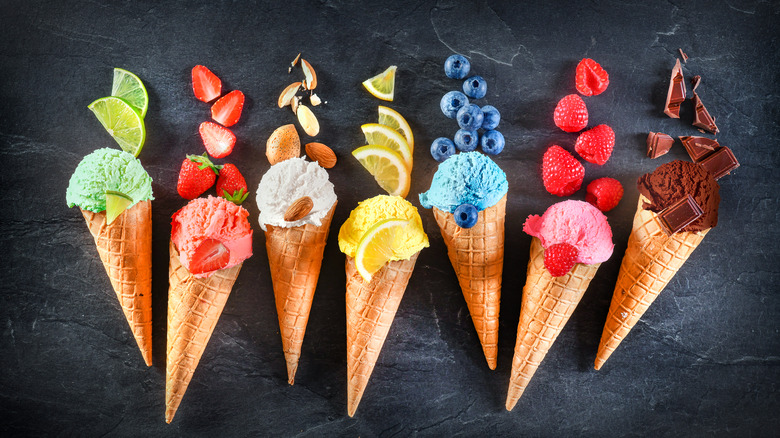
<point x="547" y="304"/>
<point x="194" y="306"/>
<point x="652" y="258"/>
<point x="371" y="309"/>
<point x="477" y="255"/>
<point x="295" y="256"/>
<point x="125" y="248"/>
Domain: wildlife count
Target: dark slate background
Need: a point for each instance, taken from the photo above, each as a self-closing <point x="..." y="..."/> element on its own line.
<point x="704" y="360"/>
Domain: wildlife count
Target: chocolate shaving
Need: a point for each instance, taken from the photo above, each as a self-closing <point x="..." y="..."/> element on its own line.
<point x="684" y="56"/>
<point x="695" y="81"/>
<point x="679" y="215"/>
<point x="703" y="118"/>
<point x="658" y="144"/>
<point x="676" y="93"/>
<point x="720" y="163"/>
<point x="699" y="147"/>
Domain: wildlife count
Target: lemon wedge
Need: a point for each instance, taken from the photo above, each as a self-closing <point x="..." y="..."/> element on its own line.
<point x="382" y="86"/>
<point x="387" y="166"/>
<point x="390" y="117"/>
<point x="376" y="246"/>
<point x="386" y="136"/>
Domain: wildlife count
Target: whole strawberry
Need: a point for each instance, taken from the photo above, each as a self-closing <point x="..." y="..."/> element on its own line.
<point x="560" y="258"/>
<point x="231" y="185"/>
<point x="571" y="114"/>
<point x="591" y="79"/>
<point x="562" y="174"/>
<point x="604" y="193"/>
<point x="197" y="174"/>
<point x="595" y="145"/>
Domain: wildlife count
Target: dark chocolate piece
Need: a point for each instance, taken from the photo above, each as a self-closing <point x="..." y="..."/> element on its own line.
<point x="699" y="147"/>
<point x="658" y="144"/>
<point x="679" y="215"/>
<point x="703" y="118"/>
<point x="684" y="56"/>
<point x="676" y="94"/>
<point x="720" y="163"/>
<point x="695" y="81"/>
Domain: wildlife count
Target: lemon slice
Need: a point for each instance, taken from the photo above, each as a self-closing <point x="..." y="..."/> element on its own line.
<point x="386" y="136"/>
<point x="382" y="86"/>
<point x="122" y="122"/>
<point x="390" y="117"/>
<point x="387" y="167"/>
<point x="376" y="246"/>
<point x="127" y="86"/>
<point x="116" y="203"/>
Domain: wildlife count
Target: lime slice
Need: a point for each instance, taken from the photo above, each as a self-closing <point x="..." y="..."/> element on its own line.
<point x="127" y="86"/>
<point x="376" y="246"/>
<point x="387" y="136"/>
<point x="387" y="167"/>
<point x="116" y="203"/>
<point x="382" y="86"/>
<point x="122" y="122"/>
<point x="390" y="117"/>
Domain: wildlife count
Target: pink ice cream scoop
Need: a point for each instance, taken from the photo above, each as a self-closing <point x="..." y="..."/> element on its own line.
<point x="211" y="234"/>
<point x="577" y="223"/>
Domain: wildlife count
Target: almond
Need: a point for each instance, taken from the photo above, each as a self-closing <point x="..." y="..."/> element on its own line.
<point x="311" y="77"/>
<point x="284" y="143"/>
<point x="292" y="64"/>
<point x="294" y="104"/>
<point x="307" y="120"/>
<point x="288" y="93"/>
<point x="298" y="209"/>
<point x="321" y="154"/>
<point x="315" y="100"/>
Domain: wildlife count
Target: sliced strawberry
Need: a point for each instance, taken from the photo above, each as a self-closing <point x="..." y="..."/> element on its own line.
<point x="210" y="256"/>
<point x="205" y="84"/>
<point x="219" y="141"/>
<point x="227" y="110"/>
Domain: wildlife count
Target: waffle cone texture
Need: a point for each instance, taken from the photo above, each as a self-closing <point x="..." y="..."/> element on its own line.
<point x="651" y="260"/>
<point x="477" y="255"/>
<point x="125" y="248"/>
<point x="548" y="303"/>
<point x="371" y="308"/>
<point x="295" y="257"/>
<point x="194" y="307"/>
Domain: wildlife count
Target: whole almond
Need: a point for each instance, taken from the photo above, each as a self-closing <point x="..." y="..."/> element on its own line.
<point x="298" y="209"/>
<point x="321" y="154"/>
<point x="284" y="143"/>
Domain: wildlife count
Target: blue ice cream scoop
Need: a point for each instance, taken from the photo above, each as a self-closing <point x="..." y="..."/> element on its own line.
<point x="468" y="177"/>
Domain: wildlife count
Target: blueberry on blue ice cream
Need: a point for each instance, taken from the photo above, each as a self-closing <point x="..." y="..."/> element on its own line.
<point x="452" y="102"/>
<point x="466" y="215"/>
<point x="470" y="117"/>
<point x="442" y="148"/>
<point x="491" y="117"/>
<point x="466" y="178"/>
<point x="475" y="87"/>
<point x="457" y="67"/>
<point x="466" y="141"/>
<point x="492" y="142"/>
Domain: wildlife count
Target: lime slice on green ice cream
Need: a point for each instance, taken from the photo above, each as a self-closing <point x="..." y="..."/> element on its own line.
<point x="122" y="121"/>
<point x="130" y="88"/>
<point x="116" y="203"/>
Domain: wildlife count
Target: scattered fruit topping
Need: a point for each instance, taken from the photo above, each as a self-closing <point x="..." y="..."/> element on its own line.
<point x="475" y="87"/>
<point x="457" y="67"/>
<point x="386" y="136"/>
<point x="227" y="110"/>
<point x="703" y="118"/>
<point x="288" y="93"/>
<point x="283" y="144"/>
<point x="387" y="166"/>
<point x="116" y="203"/>
<point x="560" y="258"/>
<point x="452" y="102"/>
<point x="571" y="114"/>
<point x="129" y="87"/>
<point x="210" y="256"/>
<point x="470" y="117"/>
<point x="466" y="215"/>
<point x="376" y="246"/>
<point x="596" y="144"/>
<point x="561" y="172"/>
<point x="465" y="140"/>
<point x="591" y="78"/>
<point x="197" y="174"/>
<point x="492" y="142"/>
<point x="315" y="100"/>
<point x="604" y="193"/>
<point x="293" y="63"/>
<point x="658" y="144"/>
<point x="231" y="185"/>
<point x="307" y="120"/>
<point x="219" y="141"/>
<point x="390" y="117"/>
<point x="442" y="148"/>
<point x="205" y="84"/>
<point x="123" y="122"/>
<point x="382" y="86"/>
<point x="321" y="154"/>
<point x="298" y="209"/>
<point x="676" y="93"/>
<point x="491" y="117"/>
<point x="311" y="76"/>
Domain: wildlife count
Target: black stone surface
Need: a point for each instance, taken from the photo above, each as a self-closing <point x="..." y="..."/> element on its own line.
<point x="704" y="360"/>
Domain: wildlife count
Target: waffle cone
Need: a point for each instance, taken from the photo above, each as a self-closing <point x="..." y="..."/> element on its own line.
<point x="125" y="248"/>
<point x="295" y="256"/>
<point x="548" y="302"/>
<point x="652" y="258"/>
<point x="371" y="309"/>
<point x="194" y="306"/>
<point x="477" y="255"/>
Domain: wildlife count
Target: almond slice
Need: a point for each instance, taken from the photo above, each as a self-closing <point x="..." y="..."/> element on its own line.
<point x="311" y="77"/>
<point x="315" y="100"/>
<point x="322" y="154"/>
<point x="308" y="121"/>
<point x="298" y="209"/>
<point x="288" y="93"/>
<point x="292" y="64"/>
<point x="294" y="104"/>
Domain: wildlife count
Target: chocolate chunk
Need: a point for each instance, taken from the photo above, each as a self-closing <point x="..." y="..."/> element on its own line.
<point x="699" y="147"/>
<point x="684" y="56"/>
<point x="678" y="215"/>
<point x="703" y="118"/>
<point x="720" y="163"/>
<point x="658" y="144"/>
<point x="695" y="81"/>
<point x="676" y="94"/>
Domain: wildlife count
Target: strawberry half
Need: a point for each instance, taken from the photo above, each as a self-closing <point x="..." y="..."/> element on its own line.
<point x="231" y="185"/>
<point x="591" y="79"/>
<point x="219" y="141"/>
<point x="210" y="256"/>
<point x="205" y="84"/>
<point x="227" y="110"/>
<point x="197" y="174"/>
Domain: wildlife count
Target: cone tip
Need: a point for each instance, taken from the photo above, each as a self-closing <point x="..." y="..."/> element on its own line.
<point x="291" y="369"/>
<point x="599" y="362"/>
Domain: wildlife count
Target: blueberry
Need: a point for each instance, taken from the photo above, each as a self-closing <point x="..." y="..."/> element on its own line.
<point x="470" y="117"/>
<point x="475" y="87"/>
<point x="457" y="67"/>
<point x="492" y="117"/>
<point x="452" y="102"/>
<point x="442" y="148"/>
<point x="492" y="142"/>
<point x="466" y="141"/>
<point x="466" y="215"/>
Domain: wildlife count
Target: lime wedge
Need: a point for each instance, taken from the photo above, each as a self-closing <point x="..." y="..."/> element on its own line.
<point x="116" y="203"/>
<point x="122" y="122"/>
<point x="376" y="246"/>
<point x="127" y="86"/>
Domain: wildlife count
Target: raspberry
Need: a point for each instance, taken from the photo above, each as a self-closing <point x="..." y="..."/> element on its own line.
<point x="591" y="78"/>
<point x="561" y="172"/>
<point x="560" y="258"/>
<point x="571" y="114"/>
<point x="604" y="193"/>
<point x="595" y="145"/>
